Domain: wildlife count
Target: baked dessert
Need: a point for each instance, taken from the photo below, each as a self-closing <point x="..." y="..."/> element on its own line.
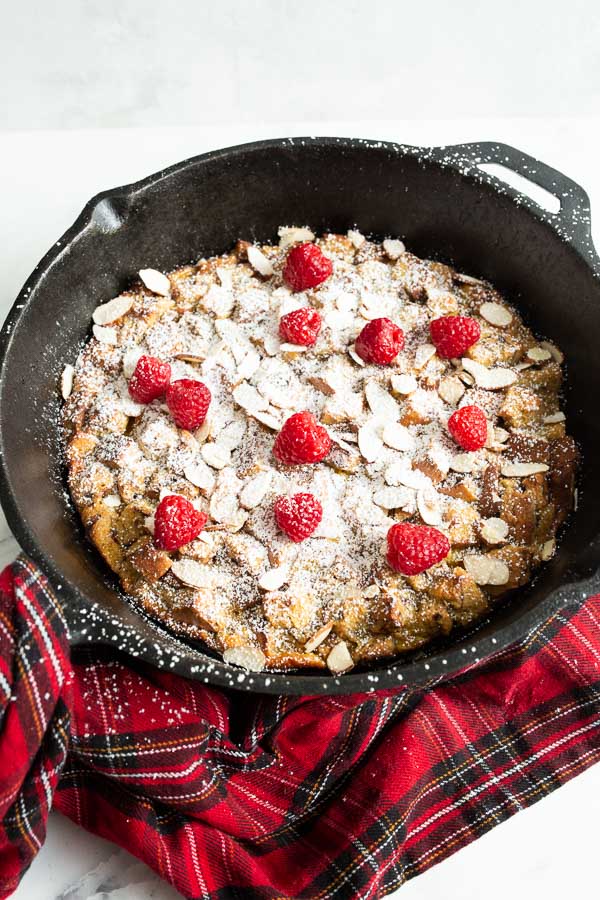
<point x="319" y="453"/>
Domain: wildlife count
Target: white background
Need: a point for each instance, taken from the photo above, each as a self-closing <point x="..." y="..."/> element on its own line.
<point x="99" y="92"/>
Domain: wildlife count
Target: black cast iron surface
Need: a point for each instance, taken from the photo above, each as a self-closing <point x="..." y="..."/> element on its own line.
<point x="442" y="205"/>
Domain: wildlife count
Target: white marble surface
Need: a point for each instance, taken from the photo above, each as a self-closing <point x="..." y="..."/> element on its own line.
<point x="45" y="178"/>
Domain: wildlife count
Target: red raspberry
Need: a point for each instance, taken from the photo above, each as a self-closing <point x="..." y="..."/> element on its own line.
<point x="298" y="516"/>
<point x="301" y="440"/>
<point x="302" y="326"/>
<point x="150" y="379"/>
<point x="306" y="266"/>
<point x="415" y="548"/>
<point x="379" y="342"/>
<point x="468" y="427"/>
<point x="453" y="335"/>
<point x="176" y="522"/>
<point x="188" y="402"/>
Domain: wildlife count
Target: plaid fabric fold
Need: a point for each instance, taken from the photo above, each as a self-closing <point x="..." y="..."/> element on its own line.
<point x="228" y="795"/>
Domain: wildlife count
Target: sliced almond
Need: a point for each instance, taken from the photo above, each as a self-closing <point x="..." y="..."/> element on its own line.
<point x="232" y="434"/>
<point x="113" y="310"/>
<point x="225" y="277"/>
<point x="423" y="354"/>
<point x="66" y="381"/>
<point x="494" y="530"/>
<point x="557" y="356"/>
<point x="200" y="475"/>
<point x="155" y="281"/>
<point x="463" y="462"/>
<point x="112" y="501"/>
<point x="398" y="437"/>
<point x="548" y="550"/>
<point x="250" y="658"/>
<point x="204" y="432"/>
<point x="131" y="358"/>
<point x="293" y="348"/>
<point x="354" y="356"/>
<point x="486" y="569"/>
<point x="369" y="441"/>
<point x="496" y="314"/>
<point x="373" y="590"/>
<point x="249" y="365"/>
<point x="339" y="659"/>
<point x="404" y="384"/>
<point x="128" y="406"/>
<point x="293" y="235"/>
<point x="216" y="455"/>
<point x="105" y="334"/>
<point x="400" y="473"/>
<point x="381" y="403"/>
<point x="428" y="505"/>
<point x="255" y="490"/>
<point x="554" y="418"/>
<point x="451" y="389"/>
<point x="246" y="396"/>
<point x="269" y="419"/>
<point x="538" y="354"/>
<point x="466" y="279"/>
<point x="259" y="261"/>
<point x="193" y="573"/>
<point x="273" y="579"/>
<point x="219" y="301"/>
<point x="322" y="385"/>
<point x="501" y="435"/>
<point x="489" y="379"/>
<point x="318" y="637"/>
<point x="393" y="497"/>
<point x="466" y="378"/>
<point x="356" y="238"/>
<point x="522" y="469"/>
<point x="393" y="249"/>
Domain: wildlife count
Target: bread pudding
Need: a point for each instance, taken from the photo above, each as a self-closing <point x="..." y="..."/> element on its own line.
<point x="318" y="453"/>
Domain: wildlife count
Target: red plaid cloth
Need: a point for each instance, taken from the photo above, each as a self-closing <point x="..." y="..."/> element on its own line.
<point x="231" y="796"/>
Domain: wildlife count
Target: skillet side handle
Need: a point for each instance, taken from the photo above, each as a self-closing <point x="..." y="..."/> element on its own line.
<point x="573" y="219"/>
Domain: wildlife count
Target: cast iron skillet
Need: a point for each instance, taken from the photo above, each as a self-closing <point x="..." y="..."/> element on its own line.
<point x="442" y="204"/>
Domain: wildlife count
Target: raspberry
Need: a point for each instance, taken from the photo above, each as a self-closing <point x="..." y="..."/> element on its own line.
<point x="298" y="516"/>
<point x="468" y="427"/>
<point x="176" y="522"/>
<point x="306" y="266"/>
<point x="379" y="342"/>
<point x="301" y="440"/>
<point x="188" y="402"/>
<point x="302" y="326"/>
<point x="453" y="335"/>
<point x="150" y="379"/>
<point x="414" y="548"/>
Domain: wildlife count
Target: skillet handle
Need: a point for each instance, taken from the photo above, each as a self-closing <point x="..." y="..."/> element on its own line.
<point x="573" y="218"/>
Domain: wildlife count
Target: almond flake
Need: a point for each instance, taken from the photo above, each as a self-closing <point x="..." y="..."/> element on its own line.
<point x="318" y="637"/>
<point x="520" y="367"/>
<point x="489" y="379"/>
<point x="200" y="475"/>
<point x="400" y="473"/>
<point x="494" y="530"/>
<point x="250" y="658"/>
<point x="356" y="238"/>
<point x="113" y="310"/>
<point x="66" y="381"/>
<point x="219" y="300"/>
<point x="255" y="490"/>
<point x="373" y="590"/>
<point x="466" y="279"/>
<point x="293" y="235"/>
<point x="105" y="334"/>
<point x="273" y="579"/>
<point x="130" y="360"/>
<point x="128" y="406"/>
<point x="321" y="384"/>
<point x="393" y="249"/>
<point x="466" y="378"/>
<point x="522" y="469"/>
<point x="548" y="550"/>
<point x="216" y="455"/>
<point x="232" y="434"/>
<point x="149" y="523"/>
<point x="398" y="437"/>
<point x="369" y="441"/>
<point x="112" y="501"/>
<point x="463" y="462"/>
<point x="424" y="353"/>
<point x="501" y="435"/>
<point x="557" y="356"/>
<point x="259" y="261"/>
<point x="381" y="403"/>
<point x="249" y="365"/>
<point x="354" y="355"/>
<point x="193" y="573"/>
<point x="269" y="419"/>
<point x="554" y="418"/>
<point x="451" y="390"/>
<point x="203" y="433"/>
<point x="393" y="497"/>
<point x="404" y="384"/>
<point x="156" y="281"/>
<point x="293" y="348"/>
<point x="225" y="276"/>
<point x="487" y="569"/>
<point x="246" y="396"/>
<point x="539" y="354"/>
<point x="496" y="314"/>
<point x="429" y="507"/>
<point x="339" y="659"/>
